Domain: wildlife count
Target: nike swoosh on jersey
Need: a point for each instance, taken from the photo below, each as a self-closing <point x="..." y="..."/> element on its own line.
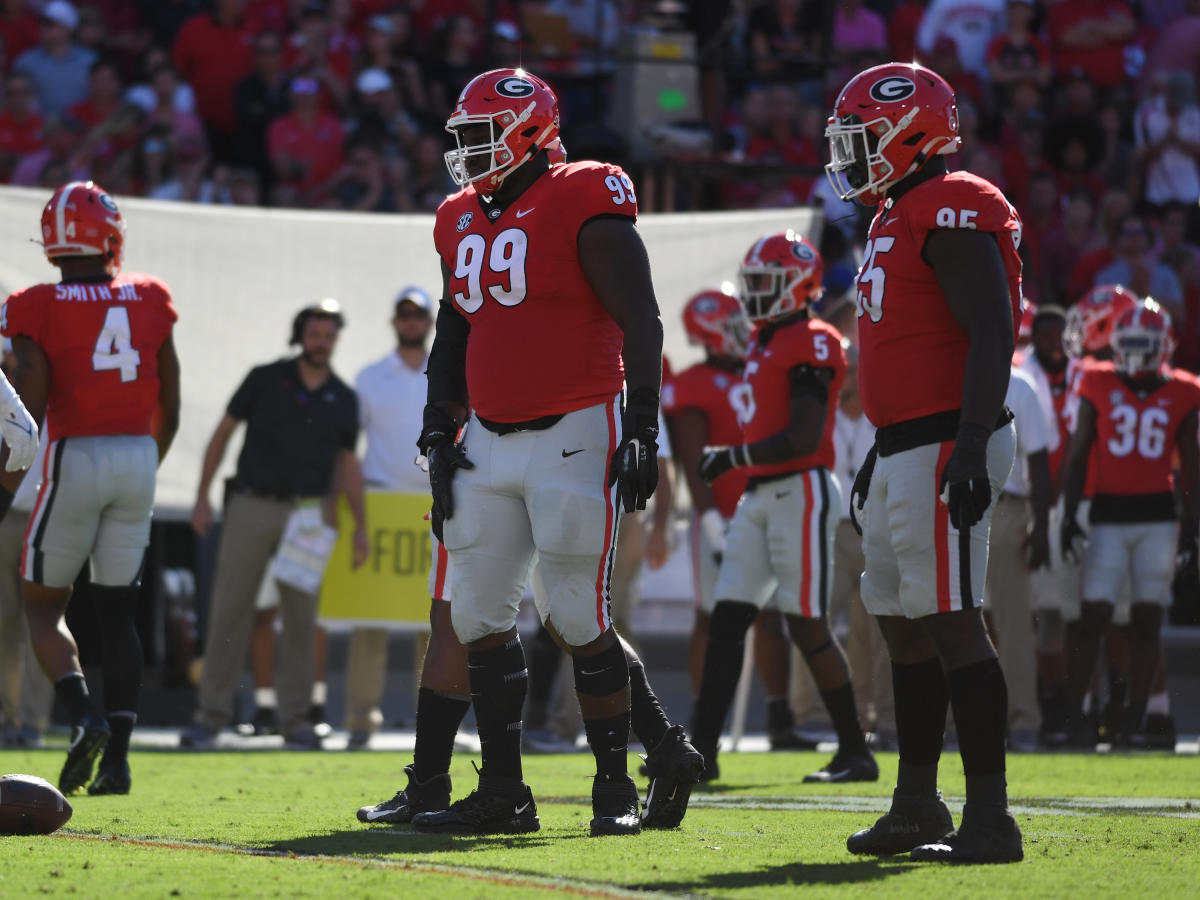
<point x="888" y="222"/>
<point x="522" y="213"/>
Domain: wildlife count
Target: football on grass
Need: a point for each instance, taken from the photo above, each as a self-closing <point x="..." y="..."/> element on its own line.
<point x="31" y="805"/>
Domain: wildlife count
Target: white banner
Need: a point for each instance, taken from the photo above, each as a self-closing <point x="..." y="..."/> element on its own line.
<point x="239" y="275"/>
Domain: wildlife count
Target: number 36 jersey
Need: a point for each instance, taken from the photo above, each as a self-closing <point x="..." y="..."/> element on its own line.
<point x="541" y="343"/>
<point x="102" y="341"/>
<point x="1135" y="431"/>
<point x="912" y="352"/>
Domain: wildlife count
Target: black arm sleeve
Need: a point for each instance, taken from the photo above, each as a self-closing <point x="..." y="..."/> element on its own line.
<point x="447" y="369"/>
<point x="811" y="381"/>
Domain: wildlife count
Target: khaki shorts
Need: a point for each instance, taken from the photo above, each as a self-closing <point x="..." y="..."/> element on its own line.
<point x="95" y="502"/>
<point x="915" y="564"/>
<point x="535" y="496"/>
<point x="780" y="545"/>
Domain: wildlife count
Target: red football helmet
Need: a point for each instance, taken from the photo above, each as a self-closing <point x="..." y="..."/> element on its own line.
<point x="82" y="220"/>
<point x="887" y="123"/>
<point x="714" y="319"/>
<point x="520" y="113"/>
<point x="1142" y="339"/>
<point x="780" y="274"/>
<point x="1090" y="319"/>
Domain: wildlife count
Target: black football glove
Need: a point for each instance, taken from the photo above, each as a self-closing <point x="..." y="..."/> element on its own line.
<point x="965" y="488"/>
<point x="634" y="466"/>
<point x="862" y="484"/>
<point x="444" y="457"/>
<point x="716" y="461"/>
<point x="1185" y="554"/>
<point x="1071" y="539"/>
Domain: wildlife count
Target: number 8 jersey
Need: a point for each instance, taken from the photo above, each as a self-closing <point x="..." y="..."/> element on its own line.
<point x="1136" y="438"/>
<point x="541" y="343"/>
<point x="101" y="339"/>
<point x="912" y="351"/>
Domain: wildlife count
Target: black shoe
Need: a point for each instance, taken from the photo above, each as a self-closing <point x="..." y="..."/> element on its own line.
<point x="316" y="718"/>
<point x="1083" y="733"/>
<point x="112" y="777"/>
<point x="420" y="796"/>
<point x="911" y="822"/>
<point x="88" y="738"/>
<point x="987" y="835"/>
<point x="265" y="721"/>
<point x="499" y="806"/>
<point x="1159" y="731"/>
<point x="614" y="806"/>
<point x="711" y="770"/>
<point x="790" y="739"/>
<point x="673" y="766"/>
<point x="858" y="765"/>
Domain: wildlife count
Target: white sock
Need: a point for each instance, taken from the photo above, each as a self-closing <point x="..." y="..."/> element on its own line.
<point x="318" y="693"/>
<point x="265" y="697"/>
<point x="1159" y="704"/>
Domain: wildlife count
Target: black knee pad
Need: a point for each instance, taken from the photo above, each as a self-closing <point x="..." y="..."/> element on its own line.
<point x="730" y="622"/>
<point x="1094" y="619"/>
<point x="1145" y="622"/>
<point x="117" y="606"/>
<point x="602" y="674"/>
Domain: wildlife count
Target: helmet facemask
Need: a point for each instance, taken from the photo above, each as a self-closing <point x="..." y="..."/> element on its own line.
<point x="1137" y="350"/>
<point x="766" y="290"/>
<point x="491" y="159"/>
<point x="856" y="163"/>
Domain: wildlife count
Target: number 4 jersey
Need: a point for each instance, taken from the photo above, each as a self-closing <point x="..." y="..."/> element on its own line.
<point x="1135" y="439"/>
<point x="541" y="343"/>
<point x="102" y="340"/>
<point x="912" y="351"/>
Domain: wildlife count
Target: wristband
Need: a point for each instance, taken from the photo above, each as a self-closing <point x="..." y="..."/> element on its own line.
<point x="972" y="436"/>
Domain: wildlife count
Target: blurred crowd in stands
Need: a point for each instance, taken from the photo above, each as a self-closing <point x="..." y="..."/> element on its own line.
<point x="1084" y="111"/>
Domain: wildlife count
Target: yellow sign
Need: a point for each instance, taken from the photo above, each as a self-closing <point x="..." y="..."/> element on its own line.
<point x="392" y="586"/>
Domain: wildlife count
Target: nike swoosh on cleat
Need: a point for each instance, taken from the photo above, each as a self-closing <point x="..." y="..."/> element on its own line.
<point x="78" y="736"/>
<point x="522" y="808"/>
<point x="374" y="814"/>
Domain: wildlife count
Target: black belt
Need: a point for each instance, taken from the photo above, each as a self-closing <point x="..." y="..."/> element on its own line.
<point x="755" y="480"/>
<point x="1132" y="509"/>
<point x="539" y="424"/>
<point x="932" y="429"/>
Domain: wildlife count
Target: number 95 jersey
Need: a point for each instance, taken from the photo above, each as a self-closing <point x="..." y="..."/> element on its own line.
<point x="912" y="352"/>
<point x="102" y="340"/>
<point x="541" y="343"/>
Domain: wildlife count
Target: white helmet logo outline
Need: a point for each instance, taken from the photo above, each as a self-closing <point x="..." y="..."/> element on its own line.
<point x="892" y="89"/>
<point x="514" y="87"/>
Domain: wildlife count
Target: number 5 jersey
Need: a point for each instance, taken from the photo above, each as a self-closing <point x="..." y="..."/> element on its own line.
<point x="101" y="339"/>
<point x="541" y="343"/>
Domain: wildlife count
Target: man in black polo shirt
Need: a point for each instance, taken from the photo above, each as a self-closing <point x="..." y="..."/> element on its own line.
<point x="301" y="426"/>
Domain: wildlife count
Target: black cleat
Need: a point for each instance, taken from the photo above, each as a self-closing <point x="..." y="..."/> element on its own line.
<point x="88" y="738"/>
<point x="673" y="767"/>
<point x="265" y="721"/>
<point x="1159" y="731"/>
<point x="911" y="822"/>
<point x="111" y="778"/>
<point x="615" y="806"/>
<point x="711" y="770"/>
<point x="987" y="835"/>
<point x="791" y="739"/>
<point x="430" y="795"/>
<point x="499" y="806"/>
<point x="859" y="765"/>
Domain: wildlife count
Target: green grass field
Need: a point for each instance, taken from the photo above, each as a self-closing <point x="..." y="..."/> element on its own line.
<point x="277" y="824"/>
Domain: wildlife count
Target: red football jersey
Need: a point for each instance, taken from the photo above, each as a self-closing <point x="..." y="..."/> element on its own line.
<point x="1135" y="435"/>
<point x="712" y="391"/>
<point x="912" y="353"/>
<point x="101" y="340"/>
<point x="541" y="342"/>
<point x="765" y="402"/>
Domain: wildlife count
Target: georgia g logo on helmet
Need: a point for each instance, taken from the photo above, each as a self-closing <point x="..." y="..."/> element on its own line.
<point x="892" y="89"/>
<point x="514" y="87"/>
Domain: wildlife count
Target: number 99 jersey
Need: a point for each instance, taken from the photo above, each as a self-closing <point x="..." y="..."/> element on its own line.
<point x="541" y="343"/>
<point x="102" y="341"/>
<point x="912" y="352"/>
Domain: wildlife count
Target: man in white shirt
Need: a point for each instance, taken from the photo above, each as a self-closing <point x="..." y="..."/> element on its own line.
<point x="391" y="398"/>
<point x="1018" y="546"/>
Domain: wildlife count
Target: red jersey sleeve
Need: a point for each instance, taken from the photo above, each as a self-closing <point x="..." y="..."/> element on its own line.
<point x="963" y="201"/>
<point x="24" y="314"/>
<point x="1091" y="386"/>
<point x="597" y="189"/>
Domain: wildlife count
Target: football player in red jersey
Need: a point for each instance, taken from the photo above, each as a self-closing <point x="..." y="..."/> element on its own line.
<point x="547" y="313"/>
<point x="95" y="355"/>
<point x="1132" y="413"/>
<point x="700" y="410"/>
<point x="795" y="365"/>
<point x="939" y="298"/>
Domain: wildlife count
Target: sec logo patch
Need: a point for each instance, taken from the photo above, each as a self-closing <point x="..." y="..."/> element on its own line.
<point x="465" y="220"/>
